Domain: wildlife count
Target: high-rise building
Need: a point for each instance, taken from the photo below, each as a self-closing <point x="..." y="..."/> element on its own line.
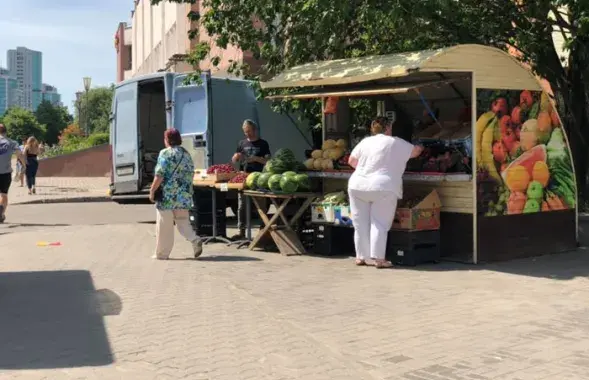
<point x="26" y="66"/>
<point x="49" y="93"/>
<point x="8" y="91"/>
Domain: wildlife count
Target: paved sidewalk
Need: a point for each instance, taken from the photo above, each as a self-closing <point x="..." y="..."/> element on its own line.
<point x="98" y="308"/>
<point x="61" y="189"/>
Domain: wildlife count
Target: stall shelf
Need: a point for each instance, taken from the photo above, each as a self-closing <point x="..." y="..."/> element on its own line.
<point x="520" y="198"/>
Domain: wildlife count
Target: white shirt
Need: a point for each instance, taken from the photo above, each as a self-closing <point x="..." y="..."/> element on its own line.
<point x="381" y="163"/>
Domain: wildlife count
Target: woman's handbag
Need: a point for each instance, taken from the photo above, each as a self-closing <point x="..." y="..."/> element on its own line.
<point x="158" y="194"/>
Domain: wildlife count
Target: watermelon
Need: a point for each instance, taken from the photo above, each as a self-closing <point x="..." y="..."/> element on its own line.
<point x="262" y="181"/>
<point x="285" y="154"/>
<point x="274" y="182"/>
<point x="289" y="174"/>
<point x="276" y="166"/>
<point x="288" y="184"/>
<point x="303" y="182"/>
<point x="252" y="179"/>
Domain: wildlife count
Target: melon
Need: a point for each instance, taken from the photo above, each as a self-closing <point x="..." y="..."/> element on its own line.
<point x="274" y="182"/>
<point x="288" y="184"/>
<point x="262" y="181"/>
<point x="289" y="174"/>
<point x="303" y="182"/>
<point x="252" y="179"/>
<point x="528" y="159"/>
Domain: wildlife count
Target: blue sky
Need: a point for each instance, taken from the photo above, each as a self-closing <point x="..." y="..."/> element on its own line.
<point x="75" y="36"/>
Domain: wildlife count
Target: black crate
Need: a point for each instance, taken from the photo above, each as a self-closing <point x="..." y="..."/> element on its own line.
<point x="203" y="199"/>
<point x="331" y="240"/>
<point x="202" y="223"/>
<point x="413" y="247"/>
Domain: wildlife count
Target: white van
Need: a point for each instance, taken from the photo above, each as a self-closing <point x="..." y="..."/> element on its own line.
<point x="208" y="115"/>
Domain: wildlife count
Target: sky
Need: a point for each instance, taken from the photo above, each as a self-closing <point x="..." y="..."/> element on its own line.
<point x="76" y="38"/>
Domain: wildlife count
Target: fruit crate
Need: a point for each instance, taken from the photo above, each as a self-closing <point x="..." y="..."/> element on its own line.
<point x="331" y="240"/>
<point x="412" y="248"/>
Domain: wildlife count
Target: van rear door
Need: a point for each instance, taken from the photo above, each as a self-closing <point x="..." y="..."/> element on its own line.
<point x="191" y="117"/>
<point x="125" y="139"/>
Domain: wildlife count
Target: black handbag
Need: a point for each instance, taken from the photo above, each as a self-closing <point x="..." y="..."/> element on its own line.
<point x="158" y="195"/>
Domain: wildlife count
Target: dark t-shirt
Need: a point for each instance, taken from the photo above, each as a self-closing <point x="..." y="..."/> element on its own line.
<point x="258" y="148"/>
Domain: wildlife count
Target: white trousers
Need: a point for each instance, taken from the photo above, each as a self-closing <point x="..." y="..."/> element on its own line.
<point x="373" y="213"/>
<point x="164" y="230"/>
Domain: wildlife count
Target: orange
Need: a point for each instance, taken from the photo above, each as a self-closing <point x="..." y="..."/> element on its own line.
<point x="541" y="173"/>
<point x="517" y="178"/>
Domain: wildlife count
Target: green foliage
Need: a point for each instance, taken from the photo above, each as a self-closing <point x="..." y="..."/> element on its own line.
<point x="55" y="119"/>
<point x="94" y="109"/>
<point x="98" y="139"/>
<point x="22" y="124"/>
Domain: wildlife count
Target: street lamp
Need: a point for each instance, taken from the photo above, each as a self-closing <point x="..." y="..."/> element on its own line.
<point x="87" y="84"/>
<point x="78" y="105"/>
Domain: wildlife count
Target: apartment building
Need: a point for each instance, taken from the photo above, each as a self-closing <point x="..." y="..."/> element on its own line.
<point x="26" y="66"/>
<point x="9" y="94"/>
<point x="50" y="94"/>
<point x="157" y="40"/>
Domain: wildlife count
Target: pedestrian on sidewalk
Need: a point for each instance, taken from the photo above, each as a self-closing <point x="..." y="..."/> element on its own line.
<point x="171" y="191"/>
<point x="30" y="153"/>
<point x="7" y="148"/>
<point x="20" y="169"/>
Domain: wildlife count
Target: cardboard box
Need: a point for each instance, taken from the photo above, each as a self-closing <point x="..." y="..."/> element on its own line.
<point x="322" y="213"/>
<point x="423" y="216"/>
<point x="201" y="175"/>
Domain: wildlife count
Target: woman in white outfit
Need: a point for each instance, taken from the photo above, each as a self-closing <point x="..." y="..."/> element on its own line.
<point x="375" y="187"/>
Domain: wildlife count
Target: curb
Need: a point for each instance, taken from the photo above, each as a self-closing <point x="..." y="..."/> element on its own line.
<point x="64" y="200"/>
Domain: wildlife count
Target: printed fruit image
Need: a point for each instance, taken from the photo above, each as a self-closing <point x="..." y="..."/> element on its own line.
<point x="535" y="191"/>
<point x="544" y="127"/>
<point x="541" y="173"/>
<point x="509" y="139"/>
<point x="499" y="152"/>
<point x="505" y="124"/>
<point x="516" y="115"/>
<point x="514" y="149"/>
<point x="516" y="203"/>
<point x="516" y="178"/>
<point x="529" y="134"/>
<point x="526" y="100"/>
<point x="554" y="119"/>
<point x="500" y="107"/>
<point x="532" y="206"/>
<point x="528" y="159"/>
<point x="545" y="103"/>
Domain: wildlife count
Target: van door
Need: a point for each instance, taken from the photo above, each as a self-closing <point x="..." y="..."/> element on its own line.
<point x="125" y="138"/>
<point x="191" y="117"/>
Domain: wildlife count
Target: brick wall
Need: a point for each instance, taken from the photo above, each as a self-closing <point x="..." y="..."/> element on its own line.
<point x="92" y="162"/>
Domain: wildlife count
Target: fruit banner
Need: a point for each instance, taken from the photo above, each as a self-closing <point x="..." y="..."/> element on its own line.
<point x="523" y="162"/>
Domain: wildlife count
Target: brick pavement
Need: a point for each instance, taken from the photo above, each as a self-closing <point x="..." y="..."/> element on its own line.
<point x="55" y="189"/>
<point x="99" y="308"/>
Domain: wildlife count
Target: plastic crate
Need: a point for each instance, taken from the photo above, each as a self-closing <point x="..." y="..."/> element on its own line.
<point x="330" y="240"/>
<point x="413" y="247"/>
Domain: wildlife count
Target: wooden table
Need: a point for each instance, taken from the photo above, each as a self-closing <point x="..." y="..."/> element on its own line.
<point x="282" y="234"/>
<point x="246" y="241"/>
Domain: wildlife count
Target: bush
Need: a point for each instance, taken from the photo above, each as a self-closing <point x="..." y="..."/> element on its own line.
<point x="98" y="139"/>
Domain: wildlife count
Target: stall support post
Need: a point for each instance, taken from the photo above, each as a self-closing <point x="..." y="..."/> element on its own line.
<point x="215" y="238"/>
<point x="473" y="123"/>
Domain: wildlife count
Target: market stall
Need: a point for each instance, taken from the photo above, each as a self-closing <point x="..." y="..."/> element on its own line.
<point x="497" y="168"/>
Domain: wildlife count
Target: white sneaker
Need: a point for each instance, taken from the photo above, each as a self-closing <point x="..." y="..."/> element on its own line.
<point x="197" y="248"/>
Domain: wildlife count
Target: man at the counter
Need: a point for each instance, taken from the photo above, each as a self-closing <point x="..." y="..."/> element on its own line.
<point x="252" y="154"/>
<point x="375" y="187"/>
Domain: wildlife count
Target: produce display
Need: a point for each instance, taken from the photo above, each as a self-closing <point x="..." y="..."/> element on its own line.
<point x="279" y="175"/>
<point x="523" y="160"/>
<point x="239" y="178"/>
<point x="329" y="157"/>
<point x="336" y="198"/>
<point x="438" y="157"/>
<point x="220" y="168"/>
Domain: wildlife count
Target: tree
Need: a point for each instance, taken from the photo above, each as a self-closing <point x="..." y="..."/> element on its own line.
<point x="95" y="110"/>
<point x="22" y="124"/>
<point x="55" y="119"/>
<point x="72" y="131"/>
<point x="285" y="34"/>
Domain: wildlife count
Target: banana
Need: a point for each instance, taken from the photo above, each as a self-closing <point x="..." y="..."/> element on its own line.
<point x="481" y="125"/>
<point x="487" y="151"/>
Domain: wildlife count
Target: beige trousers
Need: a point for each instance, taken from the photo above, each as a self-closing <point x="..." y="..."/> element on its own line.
<point x="164" y="230"/>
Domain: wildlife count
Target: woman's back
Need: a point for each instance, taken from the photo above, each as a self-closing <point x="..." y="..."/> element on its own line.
<point x="176" y="168"/>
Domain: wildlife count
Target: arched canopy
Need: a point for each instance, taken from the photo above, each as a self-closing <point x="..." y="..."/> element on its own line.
<point x="492" y="68"/>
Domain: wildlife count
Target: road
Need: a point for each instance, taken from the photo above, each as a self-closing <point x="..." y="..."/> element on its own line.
<point x="97" y="307"/>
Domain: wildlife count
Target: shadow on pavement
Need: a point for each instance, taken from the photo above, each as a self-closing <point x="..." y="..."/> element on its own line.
<point x="217" y="258"/>
<point x="54" y="319"/>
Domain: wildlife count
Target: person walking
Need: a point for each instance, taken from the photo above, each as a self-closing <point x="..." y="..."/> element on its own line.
<point x="20" y="169"/>
<point x="30" y="152"/>
<point x="252" y="154"/>
<point x="171" y="191"/>
<point x="374" y="188"/>
<point x="7" y="148"/>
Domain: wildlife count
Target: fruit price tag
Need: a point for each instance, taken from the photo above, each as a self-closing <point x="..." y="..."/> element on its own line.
<point x="224" y="187"/>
